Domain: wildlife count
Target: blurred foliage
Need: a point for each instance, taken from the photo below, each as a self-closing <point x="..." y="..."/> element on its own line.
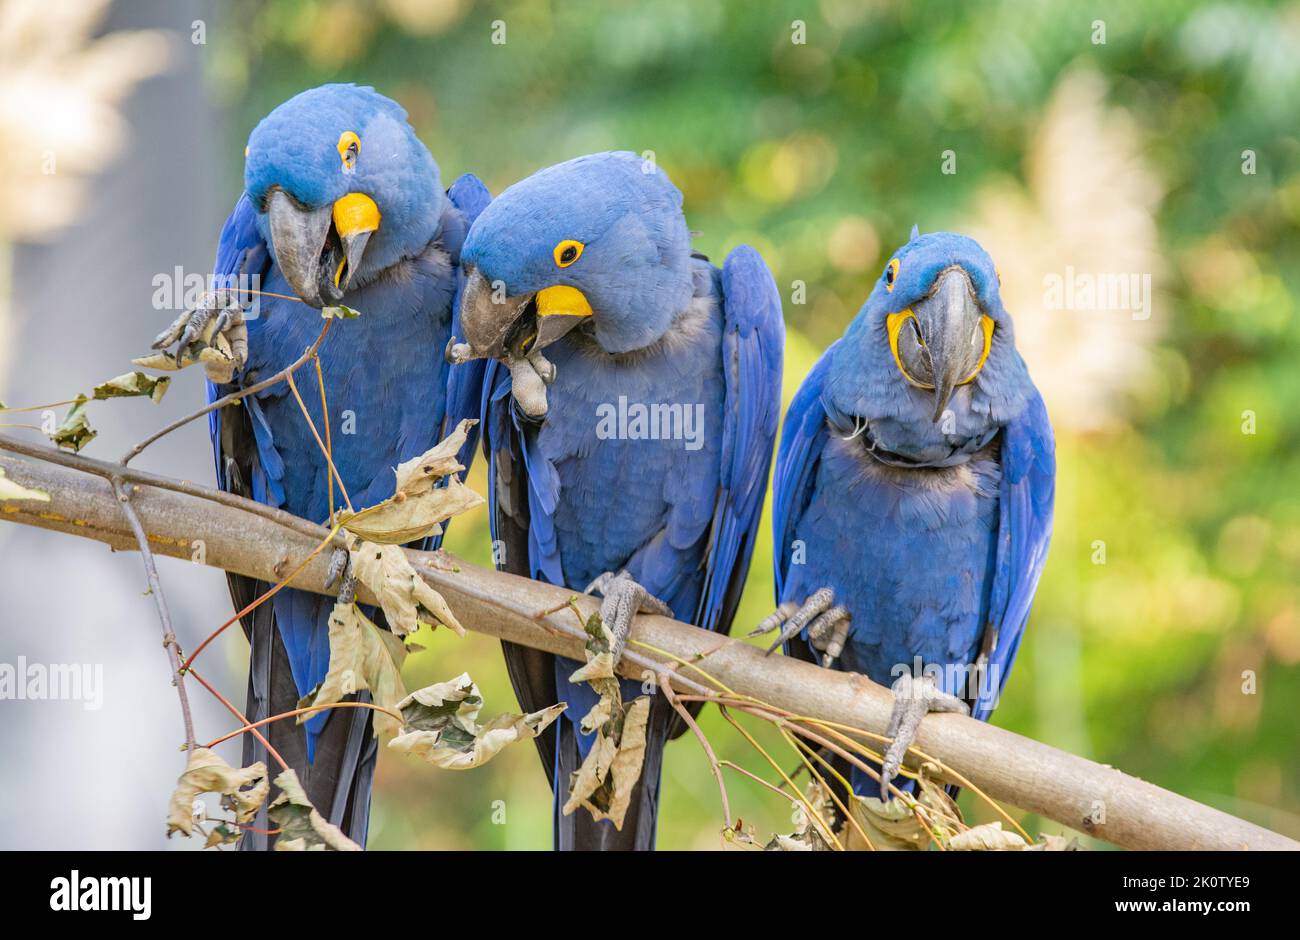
<point x="823" y="155"/>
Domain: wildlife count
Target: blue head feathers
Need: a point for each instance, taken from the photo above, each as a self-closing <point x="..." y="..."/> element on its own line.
<point x="343" y="187"/>
<point x="932" y="339"/>
<point x="600" y="236"/>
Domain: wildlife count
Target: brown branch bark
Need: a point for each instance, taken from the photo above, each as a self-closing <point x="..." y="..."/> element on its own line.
<point x="1069" y="789"/>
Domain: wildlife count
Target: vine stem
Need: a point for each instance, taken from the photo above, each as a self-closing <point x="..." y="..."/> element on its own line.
<point x="261" y="738"/>
<point x="303" y="711"/>
<point x="120" y="487"/>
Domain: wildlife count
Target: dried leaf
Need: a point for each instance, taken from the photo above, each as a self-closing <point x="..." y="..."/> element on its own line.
<point x="402" y="519"/>
<point x="402" y="593"/>
<point x="242" y="790"/>
<point x="989" y="837"/>
<point x="304" y="829"/>
<point x="339" y="312"/>
<point x="12" y="490"/>
<point x="362" y="657"/>
<point x="132" y="384"/>
<point x="890" y="826"/>
<point x="222" y="835"/>
<point x="419" y="474"/>
<point x="604" y="782"/>
<point x="1053" y="843"/>
<point x="75" y="432"/>
<point x="441" y="726"/>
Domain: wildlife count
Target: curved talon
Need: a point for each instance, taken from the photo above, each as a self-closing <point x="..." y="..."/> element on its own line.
<point x="623" y="599"/>
<point x="913" y="700"/>
<point x="817" y="603"/>
<point x="829" y="632"/>
<point x="340" y="570"/>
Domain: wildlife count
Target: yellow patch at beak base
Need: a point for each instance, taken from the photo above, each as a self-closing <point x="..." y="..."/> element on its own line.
<point x="562" y="300"/>
<point x="355" y="212"/>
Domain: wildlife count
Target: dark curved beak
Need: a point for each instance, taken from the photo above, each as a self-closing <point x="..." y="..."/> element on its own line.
<point x="949" y="320"/>
<point x="317" y="259"/>
<point x="498" y="325"/>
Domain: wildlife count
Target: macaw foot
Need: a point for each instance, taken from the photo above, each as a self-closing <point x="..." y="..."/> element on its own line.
<point x="623" y="600"/>
<point x="827" y="623"/>
<point x="340" y="570"/>
<point x="913" y="700"/>
<point x="217" y="314"/>
<point x="529" y="376"/>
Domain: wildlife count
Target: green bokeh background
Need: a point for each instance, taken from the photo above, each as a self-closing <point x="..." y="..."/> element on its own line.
<point x="822" y="155"/>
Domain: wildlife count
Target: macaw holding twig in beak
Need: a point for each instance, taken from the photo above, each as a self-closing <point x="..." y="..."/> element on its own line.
<point x="582" y="283"/>
<point x="342" y="205"/>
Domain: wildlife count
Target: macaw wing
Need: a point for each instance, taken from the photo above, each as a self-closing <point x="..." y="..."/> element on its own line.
<point x="1026" y="497"/>
<point x="465" y="381"/>
<point x="518" y="548"/>
<point x="753" y="344"/>
<point x="241" y="468"/>
<point x="803" y="436"/>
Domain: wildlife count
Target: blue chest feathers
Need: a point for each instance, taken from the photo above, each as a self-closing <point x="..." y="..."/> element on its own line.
<point x="635" y="441"/>
<point x="909" y="551"/>
<point x="385" y="380"/>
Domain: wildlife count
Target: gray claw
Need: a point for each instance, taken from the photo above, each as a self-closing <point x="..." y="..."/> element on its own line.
<point x="340" y="570"/>
<point x="913" y="700"/>
<point x="795" y="617"/>
<point x="623" y="599"/>
<point x="829" y="632"/>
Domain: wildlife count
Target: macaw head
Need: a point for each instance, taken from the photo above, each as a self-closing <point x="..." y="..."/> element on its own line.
<point x="933" y="318"/>
<point x="599" y="239"/>
<point x="343" y="187"/>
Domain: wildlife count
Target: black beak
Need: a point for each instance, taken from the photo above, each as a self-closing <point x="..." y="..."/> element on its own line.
<point x="949" y="319"/>
<point x="316" y="262"/>
<point x="500" y="326"/>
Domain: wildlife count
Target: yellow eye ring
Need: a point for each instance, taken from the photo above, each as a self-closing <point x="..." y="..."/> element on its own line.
<point x="349" y="147"/>
<point x="891" y="273"/>
<point x="567" y="252"/>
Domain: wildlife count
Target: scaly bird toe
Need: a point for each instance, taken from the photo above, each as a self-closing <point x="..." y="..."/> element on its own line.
<point x="623" y="599"/>
<point x="913" y="700"/>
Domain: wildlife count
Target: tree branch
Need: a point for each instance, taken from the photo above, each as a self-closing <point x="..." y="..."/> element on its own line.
<point x="1071" y="790"/>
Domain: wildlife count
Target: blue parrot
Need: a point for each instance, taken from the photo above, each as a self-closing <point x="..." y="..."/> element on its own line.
<point x="593" y="488"/>
<point x="912" y="503"/>
<point x="342" y="205"/>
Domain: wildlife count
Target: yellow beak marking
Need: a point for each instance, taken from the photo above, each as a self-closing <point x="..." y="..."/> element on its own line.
<point x="562" y="300"/>
<point x="355" y="213"/>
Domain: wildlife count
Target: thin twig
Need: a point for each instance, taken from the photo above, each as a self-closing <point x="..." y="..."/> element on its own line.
<point x="232" y="397"/>
<point x="304" y="711"/>
<point x="240" y="715"/>
<point x="665" y="684"/>
<point x="332" y="472"/>
<point x="160" y="602"/>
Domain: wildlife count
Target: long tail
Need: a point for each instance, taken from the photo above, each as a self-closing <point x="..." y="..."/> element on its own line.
<point x="578" y="831"/>
<point x="339" y="777"/>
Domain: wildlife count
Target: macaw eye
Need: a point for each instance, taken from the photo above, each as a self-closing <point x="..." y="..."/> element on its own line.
<point x="567" y="252"/>
<point x="349" y="147"/>
<point x="891" y="272"/>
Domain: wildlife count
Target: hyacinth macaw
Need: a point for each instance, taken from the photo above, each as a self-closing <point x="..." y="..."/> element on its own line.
<point x="342" y="205"/>
<point x="592" y="259"/>
<point x="912" y="502"/>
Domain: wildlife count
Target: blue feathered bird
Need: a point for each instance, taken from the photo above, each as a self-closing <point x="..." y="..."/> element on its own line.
<point x="342" y="205"/>
<point x="592" y="259"/>
<point x="913" y="491"/>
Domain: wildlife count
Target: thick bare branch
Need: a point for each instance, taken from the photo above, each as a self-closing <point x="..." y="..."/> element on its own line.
<point x="1025" y="773"/>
